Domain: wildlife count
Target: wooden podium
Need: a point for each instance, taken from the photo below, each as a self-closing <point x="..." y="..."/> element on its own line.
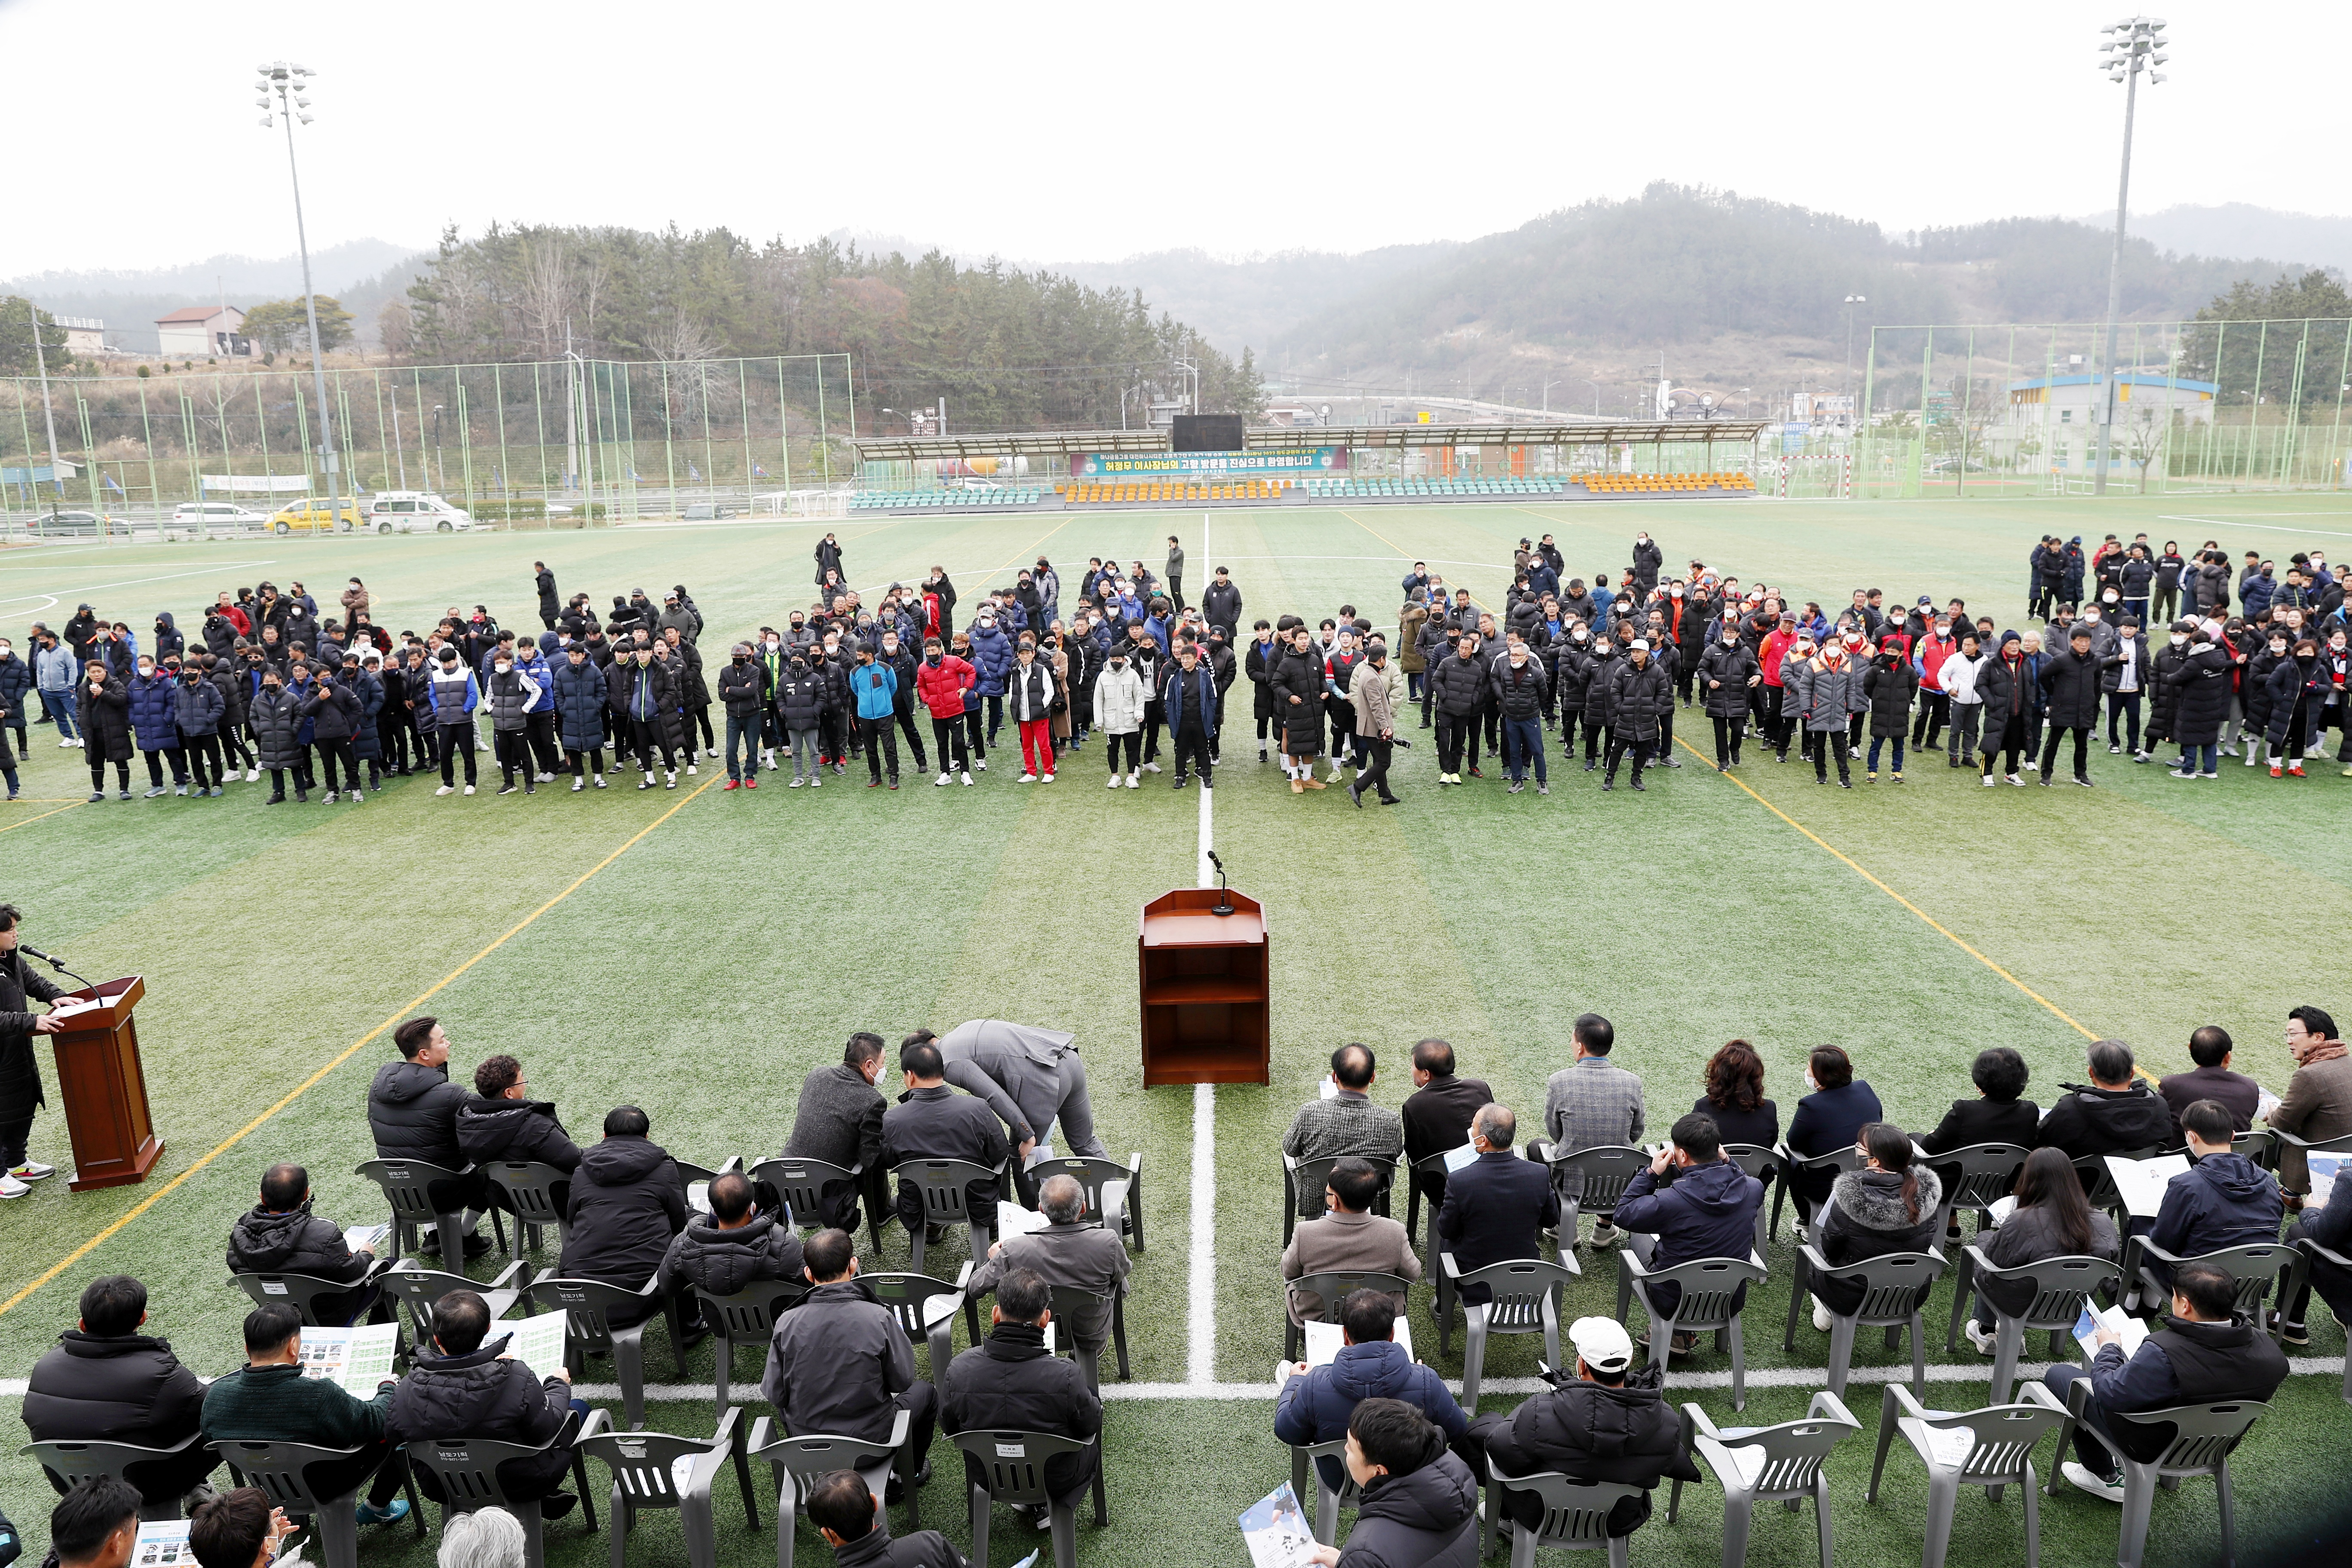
<point x="1204" y="989"/>
<point x="104" y="1088"/>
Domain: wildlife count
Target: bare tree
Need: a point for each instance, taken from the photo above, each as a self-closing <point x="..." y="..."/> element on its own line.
<point x="395" y="328"/>
<point x="543" y="300"/>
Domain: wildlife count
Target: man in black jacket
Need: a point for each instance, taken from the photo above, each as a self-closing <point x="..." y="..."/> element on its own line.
<point x="1419" y="1507"/>
<point x="840" y="1362"/>
<point x="1437" y="1113"/>
<point x="466" y="1388"/>
<point x="1605" y="1422"/>
<point x="1496" y="1206"/>
<point x="2112" y="1113"/>
<point x="2070" y="682"/>
<point x="627" y="1201"/>
<point x="839" y="1120"/>
<point x="1639" y="697"/>
<point x="20" y="1069"/>
<point x="1012" y="1382"/>
<point x="1221" y="604"/>
<point x="932" y="1121"/>
<point x="108" y="1383"/>
<point x="850" y="1516"/>
<point x="501" y="1121"/>
<point x="413" y="1113"/>
<point x="279" y="1235"/>
<point x="548" y="604"/>
<point x="730" y="1249"/>
<point x="1457" y="686"/>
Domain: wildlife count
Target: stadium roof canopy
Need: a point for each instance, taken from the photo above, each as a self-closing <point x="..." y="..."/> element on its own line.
<point x="1064" y="443"/>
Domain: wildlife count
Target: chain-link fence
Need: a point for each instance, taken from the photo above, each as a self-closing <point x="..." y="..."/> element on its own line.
<point x="568" y="441"/>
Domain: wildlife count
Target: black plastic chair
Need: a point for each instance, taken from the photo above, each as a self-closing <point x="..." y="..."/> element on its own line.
<point x="78" y="1461"/>
<point x="746" y="1316"/>
<point x="644" y="1476"/>
<point x="1012" y="1470"/>
<point x="465" y="1472"/>
<point x="277" y="1468"/>
<point x="407" y="1185"/>
<point x="799" y="1185"/>
<point x="795" y="1462"/>
<point x="1300" y="1177"/>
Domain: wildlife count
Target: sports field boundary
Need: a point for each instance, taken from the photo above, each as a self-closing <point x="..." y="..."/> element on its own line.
<point x="1200" y="1275"/>
<point x="299" y="1090"/>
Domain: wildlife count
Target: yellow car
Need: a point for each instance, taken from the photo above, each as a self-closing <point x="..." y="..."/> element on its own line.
<point x="312" y="513"/>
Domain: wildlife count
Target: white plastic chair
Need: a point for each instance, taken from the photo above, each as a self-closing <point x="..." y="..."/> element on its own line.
<point x="1779" y="1464"/>
<point x="1991" y="1447"/>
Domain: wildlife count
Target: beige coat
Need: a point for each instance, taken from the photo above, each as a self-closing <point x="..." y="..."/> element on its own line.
<point x="1376" y="694"/>
<point x="2318" y="1107"/>
<point x="1344" y="1243"/>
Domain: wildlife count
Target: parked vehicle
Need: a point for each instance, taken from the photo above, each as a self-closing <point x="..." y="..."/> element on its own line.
<point x="72" y="524"/>
<point x="313" y="512"/>
<point x="214" y="514"/>
<point x="414" y="512"/>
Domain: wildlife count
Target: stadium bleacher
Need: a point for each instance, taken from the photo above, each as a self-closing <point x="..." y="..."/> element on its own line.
<point x="1129" y="491"/>
<point x="947" y="501"/>
<point x="1372" y="489"/>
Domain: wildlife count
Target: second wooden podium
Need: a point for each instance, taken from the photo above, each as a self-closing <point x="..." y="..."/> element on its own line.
<point x="1204" y="989"/>
<point x="105" y="1089"/>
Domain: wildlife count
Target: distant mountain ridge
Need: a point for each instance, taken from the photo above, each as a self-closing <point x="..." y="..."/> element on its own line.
<point x="361" y="273"/>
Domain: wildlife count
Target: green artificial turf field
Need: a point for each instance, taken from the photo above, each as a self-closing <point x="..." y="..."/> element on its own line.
<point x="697" y="951"/>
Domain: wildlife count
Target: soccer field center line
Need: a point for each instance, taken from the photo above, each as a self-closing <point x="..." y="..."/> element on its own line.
<point x="1933" y="923"/>
<point x="233" y="1139"/>
<point x="1201" y="1273"/>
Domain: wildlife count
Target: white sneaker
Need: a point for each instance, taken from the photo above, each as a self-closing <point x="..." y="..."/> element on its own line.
<point x="446" y="789"/>
<point x="1114" y="781"/>
<point x="469" y="789"/>
<point x="967" y="781"/>
<point x="1151" y="767"/>
<point x="670" y="778"/>
<point x="579" y="785"/>
<point x="940" y="781"/>
<point x="66" y="743"/>
<point x="1047" y="779"/>
<point x="10" y="1187"/>
<point x="980" y="763"/>
<point x="252" y="775"/>
<point x="768" y="758"/>
<point x="1986" y="1343"/>
<point x="2084" y="1481"/>
<point x="693" y="768"/>
<point x="33" y="1170"/>
<point x="2030" y="765"/>
<point x="1026" y="778"/>
<point x="1821" y="1319"/>
<point x="710" y="752"/>
<point x="330" y="797"/>
<point x="599" y="781"/>
<point x="1990" y="781"/>
<point x="1133" y="782"/>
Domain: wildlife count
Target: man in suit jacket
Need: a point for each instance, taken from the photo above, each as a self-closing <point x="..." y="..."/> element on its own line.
<point x="2210" y="1048"/>
<point x="1497" y="1206"/>
<point x="1349" y="1239"/>
<point x="1068" y="1253"/>
<point x="1437" y="1113"/>
<point x="1593" y="1103"/>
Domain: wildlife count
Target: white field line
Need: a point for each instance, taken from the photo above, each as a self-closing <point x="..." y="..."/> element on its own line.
<point x="1200" y="1307"/>
<point x="126" y="583"/>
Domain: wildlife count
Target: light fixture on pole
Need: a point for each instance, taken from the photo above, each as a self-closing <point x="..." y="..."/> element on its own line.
<point x="290" y="85"/>
<point x="1851" y="301"/>
<point x="2134" y="44"/>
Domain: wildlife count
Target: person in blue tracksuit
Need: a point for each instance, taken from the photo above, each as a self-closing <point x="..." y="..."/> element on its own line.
<point x="874" y="696"/>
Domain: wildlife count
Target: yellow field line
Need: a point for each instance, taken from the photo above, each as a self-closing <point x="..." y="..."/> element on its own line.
<point x="1856" y="867"/>
<point x="30" y="820"/>
<point x="225" y="1144"/>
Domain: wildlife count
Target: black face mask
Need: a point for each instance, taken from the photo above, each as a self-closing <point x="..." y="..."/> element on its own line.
<point x="742" y="659"/>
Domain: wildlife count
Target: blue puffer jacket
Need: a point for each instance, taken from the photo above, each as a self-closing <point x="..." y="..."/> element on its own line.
<point x="2222" y="1200"/>
<point x="876" y="688"/>
<point x="153" y="714"/>
<point x="1315" y="1406"/>
<point x="529" y="660"/>
<point x="306" y="730"/>
<point x="577" y="693"/>
<point x="991" y="656"/>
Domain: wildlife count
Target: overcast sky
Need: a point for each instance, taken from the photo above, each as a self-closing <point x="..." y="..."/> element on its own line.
<point x="1049" y="129"/>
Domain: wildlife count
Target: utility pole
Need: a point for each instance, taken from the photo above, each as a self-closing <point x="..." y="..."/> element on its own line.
<point x="48" y="415"/>
<point x="2133" y="46"/>
<point x="289" y="82"/>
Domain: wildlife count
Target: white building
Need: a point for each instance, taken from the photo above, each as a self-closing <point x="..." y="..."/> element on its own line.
<point x="84" y="334"/>
<point x="201" y="332"/>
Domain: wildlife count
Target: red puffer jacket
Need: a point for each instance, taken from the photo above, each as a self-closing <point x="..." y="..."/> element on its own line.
<point x="941" y="686"/>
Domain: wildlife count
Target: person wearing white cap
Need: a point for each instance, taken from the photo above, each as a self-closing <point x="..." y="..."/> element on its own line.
<point x="1608" y="1421"/>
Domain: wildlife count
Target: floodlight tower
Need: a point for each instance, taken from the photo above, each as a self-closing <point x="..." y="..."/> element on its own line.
<point x="2134" y="44"/>
<point x="290" y="85"/>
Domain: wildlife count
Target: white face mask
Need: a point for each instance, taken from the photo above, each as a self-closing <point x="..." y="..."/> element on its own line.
<point x="2180" y="639"/>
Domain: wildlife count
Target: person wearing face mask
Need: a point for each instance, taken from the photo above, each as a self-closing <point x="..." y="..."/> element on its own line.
<point x="509" y="693"/>
<point x="1638" y="699"/>
<point x="1928" y="658"/>
<point x="992" y="656"/>
<point x="800" y="704"/>
<point x="2124" y="676"/>
<point x="1887" y="688"/>
<point x="2297" y="690"/>
<point x="644" y="699"/>
<point x="942" y="683"/>
<point x="901" y="658"/>
<point x="1648" y="561"/>
<point x="581" y="714"/>
<point x="1031" y="693"/>
<point x="451" y="697"/>
<point x="743" y="693"/>
<point x="197" y="706"/>
<point x="2334" y="664"/>
<point x="333" y="713"/>
<point x="1959" y="676"/>
<point x="1727" y="675"/>
<point x="1772" y="658"/>
<point x="272" y="713"/>
<point x="16" y="682"/>
<point x="874" y="692"/>
<point x="1821" y="697"/>
<point x="150" y="694"/>
<point x="2270" y="649"/>
<point x="1119" y="714"/>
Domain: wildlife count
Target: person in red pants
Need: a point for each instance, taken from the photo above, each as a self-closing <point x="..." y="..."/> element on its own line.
<point x="1031" y="695"/>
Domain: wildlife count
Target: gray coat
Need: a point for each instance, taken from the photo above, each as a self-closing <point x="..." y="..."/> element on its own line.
<point x="1016" y="1069"/>
<point x="1822" y="698"/>
<point x="836" y="1363"/>
<point x="1086" y="1256"/>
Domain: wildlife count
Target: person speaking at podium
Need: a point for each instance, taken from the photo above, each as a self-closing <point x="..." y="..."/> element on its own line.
<point x="20" y="1069"/>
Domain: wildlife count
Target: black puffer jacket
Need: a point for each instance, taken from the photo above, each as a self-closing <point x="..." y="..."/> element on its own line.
<point x="1638" y="699"/>
<point x="2073" y="685"/>
<point x="334" y="709"/>
<point x="742" y="687"/>
<point x="121" y="1388"/>
<point x="1571" y="667"/>
<point x="1889" y="685"/>
<point x="800" y="699"/>
<point x="1628" y="1435"/>
<point x="478" y="1396"/>
<point x="2203" y="680"/>
<point x="1724" y="672"/>
<point x="2090" y="1121"/>
<point x="514" y="1130"/>
<point x="1010" y="1383"/>
<point x="1301" y="676"/>
<point x="412" y="1112"/>
<point x="276" y="718"/>
<point x="1426" y="1518"/>
<point x="295" y="1242"/>
<point x="1459" y="685"/>
<point x="105" y="719"/>
<point x="703" y="1257"/>
<point x="1520" y="692"/>
<point x="627" y="1201"/>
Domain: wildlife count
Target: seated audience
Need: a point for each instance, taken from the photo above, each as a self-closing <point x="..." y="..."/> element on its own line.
<point x="1830" y="1118"/>
<point x="1316" y="1402"/>
<point x="267" y="1400"/>
<point x="279" y="1235"/>
<point x="486" y="1538"/>
<point x="932" y="1121"/>
<point x="2053" y="1219"/>
<point x="1070" y="1253"/>
<point x="2327" y="1220"/>
<point x="95" y="1524"/>
<point x="1997" y="1114"/>
<point x="1498" y="1206"/>
<point x="2206" y="1352"/>
<point x="106" y="1382"/>
<point x="1419" y="1507"/>
<point x="2317" y="1103"/>
<point x="1013" y="1383"/>
<point x="627" y="1202"/>
<point x="1604" y="1420"/>
<point x="839" y="1120"/>
<point x="730" y="1249"/>
<point x="467" y="1386"/>
<point x="1349" y="1239"/>
<point x="1592" y="1103"/>
<point x="1436" y="1114"/>
<point x="2114" y="1113"/>
<point x="1345" y="1123"/>
<point x="850" y="1516"/>
<point x="237" y="1529"/>
<point x="1735" y="1097"/>
<point x="501" y="1121"/>
<point x="413" y="1113"/>
<point x="840" y="1362"/>
<point x="1889" y="1205"/>
<point x="1692" y="1203"/>
<point x="2210" y="1048"/>
<point x="2223" y="1199"/>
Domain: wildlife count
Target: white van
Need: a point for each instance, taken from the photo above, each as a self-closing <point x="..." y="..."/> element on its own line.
<point x="414" y="512"/>
<point x="214" y="514"/>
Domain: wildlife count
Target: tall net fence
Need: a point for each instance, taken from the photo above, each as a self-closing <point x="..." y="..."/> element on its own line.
<point x="2015" y="410"/>
<point x="584" y="440"/>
